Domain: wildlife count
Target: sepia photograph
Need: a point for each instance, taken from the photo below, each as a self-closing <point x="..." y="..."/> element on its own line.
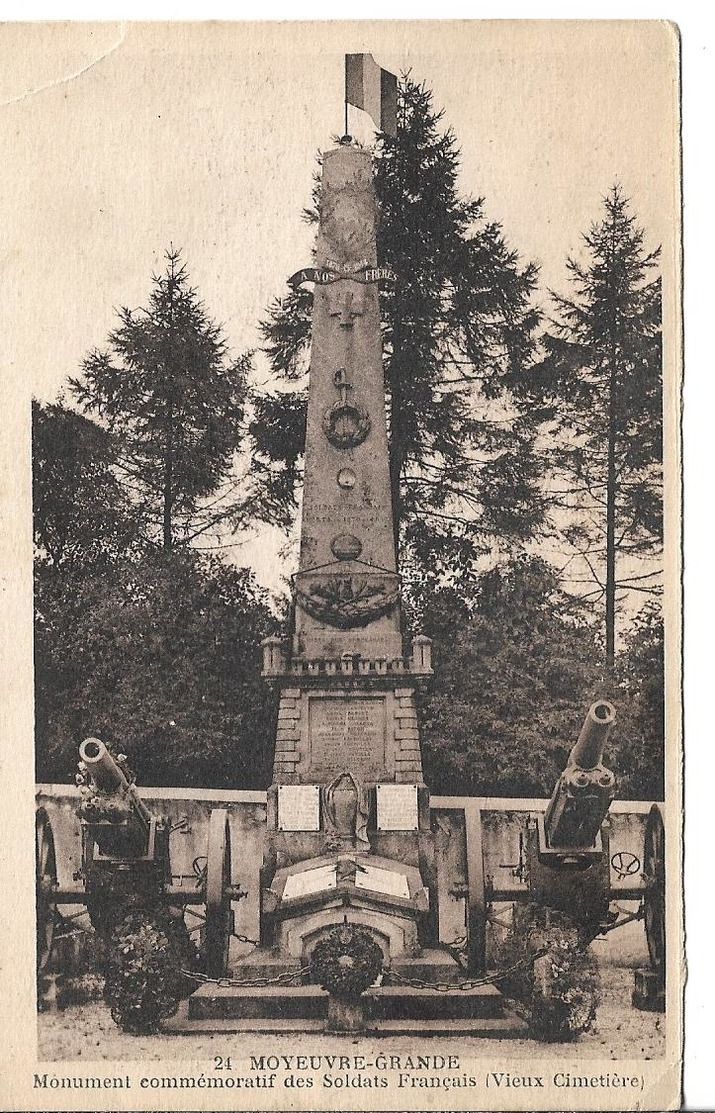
<point x="342" y="503"/>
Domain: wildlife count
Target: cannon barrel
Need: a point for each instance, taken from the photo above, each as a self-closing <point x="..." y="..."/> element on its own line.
<point x="118" y="799"/>
<point x="588" y="751"/>
<point x="583" y="793"/>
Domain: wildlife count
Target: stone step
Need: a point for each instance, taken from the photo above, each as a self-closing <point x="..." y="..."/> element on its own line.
<point x="258" y="1002"/>
<point x="262" y="964"/>
<point x="432" y="965"/>
<point x="311" y="1002"/>
<point x="399" y="1002"/>
<point x="505" y="1027"/>
<point x="486" y="1027"/>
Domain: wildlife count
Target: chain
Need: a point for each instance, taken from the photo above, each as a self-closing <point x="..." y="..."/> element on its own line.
<point x="245" y="939"/>
<point x="226" y="983"/>
<point x="416" y="983"/>
<point x="474" y="983"/>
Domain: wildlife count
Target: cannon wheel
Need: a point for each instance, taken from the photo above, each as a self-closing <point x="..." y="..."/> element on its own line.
<point x="46" y="883"/>
<point x="654" y="881"/>
<point x="219" y="916"/>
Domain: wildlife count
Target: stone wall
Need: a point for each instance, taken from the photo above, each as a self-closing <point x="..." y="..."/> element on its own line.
<point x="502" y="820"/>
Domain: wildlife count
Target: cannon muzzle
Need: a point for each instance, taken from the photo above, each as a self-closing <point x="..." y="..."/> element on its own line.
<point x="103" y="770"/>
<point x="588" y="751"/>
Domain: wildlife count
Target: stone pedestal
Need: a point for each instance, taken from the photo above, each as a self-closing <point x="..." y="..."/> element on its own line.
<point x="345" y="1016"/>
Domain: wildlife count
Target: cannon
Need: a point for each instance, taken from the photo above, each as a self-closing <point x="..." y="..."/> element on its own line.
<point x="567" y="849"/>
<point x="117" y="827"/>
<point x="126" y="865"/>
<point x="564" y="868"/>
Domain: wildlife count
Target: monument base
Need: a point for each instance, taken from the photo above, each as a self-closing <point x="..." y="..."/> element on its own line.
<point x="384" y="1009"/>
<point x="441" y="1006"/>
<point x="506" y="1026"/>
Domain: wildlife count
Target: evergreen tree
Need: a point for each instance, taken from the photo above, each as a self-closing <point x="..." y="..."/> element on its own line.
<point x="457" y="339"/>
<point x="640" y="702"/>
<point x="174" y="405"/>
<point x="82" y="515"/>
<point x="603" y="374"/>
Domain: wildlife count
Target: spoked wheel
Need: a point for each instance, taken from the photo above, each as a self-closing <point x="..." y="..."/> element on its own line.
<point x="216" y="934"/>
<point x="46" y="884"/>
<point x="654" y="882"/>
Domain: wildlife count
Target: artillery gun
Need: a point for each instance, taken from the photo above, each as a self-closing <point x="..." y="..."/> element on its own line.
<point x="565" y="865"/>
<point x="127" y="880"/>
<point x="567" y="849"/>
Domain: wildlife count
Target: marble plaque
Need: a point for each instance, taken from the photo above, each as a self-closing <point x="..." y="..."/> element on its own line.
<point x="347" y="734"/>
<point x="298" y="808"/>
<point x="382" y="881"/>
<point x="309" y="881"/>
<point x="397" y="807"/>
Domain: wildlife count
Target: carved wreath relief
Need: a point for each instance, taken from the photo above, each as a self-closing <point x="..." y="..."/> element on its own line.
<point x="347" y="601"/>
<point x="345" y="424"/>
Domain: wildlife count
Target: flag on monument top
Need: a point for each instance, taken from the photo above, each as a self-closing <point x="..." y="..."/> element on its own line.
<point x="372" y="89"/>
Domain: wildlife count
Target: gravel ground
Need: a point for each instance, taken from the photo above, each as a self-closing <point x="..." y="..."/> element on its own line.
<point x="87" y="1033"/>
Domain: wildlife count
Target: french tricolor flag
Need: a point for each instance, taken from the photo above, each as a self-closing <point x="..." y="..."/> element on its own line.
<point x="372" y="89"/>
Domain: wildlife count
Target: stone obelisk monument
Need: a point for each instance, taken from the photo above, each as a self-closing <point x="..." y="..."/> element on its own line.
<point x="348" y="815"/>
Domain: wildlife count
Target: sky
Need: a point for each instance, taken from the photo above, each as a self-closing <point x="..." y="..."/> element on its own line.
<point x="123" y="138"/>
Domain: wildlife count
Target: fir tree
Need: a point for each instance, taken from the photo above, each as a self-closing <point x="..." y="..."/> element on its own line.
<point x="174" y="405"/>
<point x="457" y="338"/>
<point x="603" y="374"/>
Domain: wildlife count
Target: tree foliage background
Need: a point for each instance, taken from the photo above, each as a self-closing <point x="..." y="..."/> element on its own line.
<point x="154" y="646"/>
<point x="160" y="660"/>
<point x="175" y="407"/>
<point x="140" y="638"/>
<point x="518" y="663"/>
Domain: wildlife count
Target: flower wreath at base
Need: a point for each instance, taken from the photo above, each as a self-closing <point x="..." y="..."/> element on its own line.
<point x="145" y="955"/>
<point x="559" y="994"/>
<point x="347" y="962"/>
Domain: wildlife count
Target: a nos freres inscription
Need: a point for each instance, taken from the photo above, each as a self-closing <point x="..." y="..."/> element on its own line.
<point x="347" y="734"/>
<point x="346" y="514"/>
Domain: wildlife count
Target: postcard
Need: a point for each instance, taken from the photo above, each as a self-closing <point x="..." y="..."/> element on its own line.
<point x="341" y="570"/>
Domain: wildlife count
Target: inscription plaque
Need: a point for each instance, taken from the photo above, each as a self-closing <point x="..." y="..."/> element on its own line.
<point x="348" y="734"/>
<point x="397" y="807"/>
<point x="298" y="808"/>
<point x="383" y="881"/>
<point x="309" y="881"/>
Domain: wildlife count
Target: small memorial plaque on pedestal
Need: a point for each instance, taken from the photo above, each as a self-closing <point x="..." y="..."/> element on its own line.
<point x="397" y="807"/>
<point x="298" y="808"/>
<point x="309" y="881"/>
